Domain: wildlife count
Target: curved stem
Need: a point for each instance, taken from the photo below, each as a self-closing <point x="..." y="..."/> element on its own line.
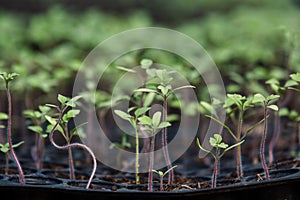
<point x="74" y="145"/>
<point x="9" y="122"/>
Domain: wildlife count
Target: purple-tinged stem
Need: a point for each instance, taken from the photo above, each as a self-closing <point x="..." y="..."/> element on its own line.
<point x="262" y="145"/>
<point x="74" y="145"/>
<point x="9" y="123"/>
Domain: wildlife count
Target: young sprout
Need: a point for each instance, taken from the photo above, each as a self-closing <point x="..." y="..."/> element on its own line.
<point x="218" y="145"/>
<point x="240" y="104"/>
<point x="294" y="117"/>
<point x="8" y="77"/>
<point x="38" y="118"/>
<point x="4" y="148"/>
<point x="267" y="103"/>
<point x="285" y="96"/>
<point x="65" y="113"/>
<point x="162" y="175"/>
<point x="152" y="126"/>
<point x="133" y="120"/>
<point x="162" y="87"/>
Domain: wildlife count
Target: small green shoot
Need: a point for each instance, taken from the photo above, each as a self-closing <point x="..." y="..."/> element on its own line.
<point x="161" y="175"/>
<point x="218" y="145"/>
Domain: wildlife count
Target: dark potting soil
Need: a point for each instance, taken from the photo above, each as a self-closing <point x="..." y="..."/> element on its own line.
<point x="106" y="179"/>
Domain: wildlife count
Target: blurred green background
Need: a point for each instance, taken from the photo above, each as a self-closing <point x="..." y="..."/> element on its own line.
<point x="45" y="41"/>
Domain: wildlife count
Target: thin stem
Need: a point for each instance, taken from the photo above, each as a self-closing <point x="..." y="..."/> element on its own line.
<point x="165" y="141"/>
<point x="137" y="165"/>
<point x="6" y="163"/>
<point x="151" y="162"/>
<point x="9" y="123"/>
<point x="161" y="183"/>
<point x="262" y="145"/>
<point x="216" y="170"/>
<point x="70" y="156"/>
<point x="274" y="139"/>
<point x="73" y="145"/>
<point x="239" y="149"/>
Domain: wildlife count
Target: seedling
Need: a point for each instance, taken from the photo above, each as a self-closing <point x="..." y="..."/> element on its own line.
<point x="285" y="96"/>
<point x="267" y="103"/>
<point x="239" y="103"/>
<point x="162" y="175"/>
<point x="8" y="77"/>
<point x="124" y="144"/>
<point x="152" y="126"/>
<point x="217" y="143"/>
<point x="38" y="118"/>
<point x="60" y="124"/>
<point x="294" y="116"/>
<point x="161" y="85"/>
<point x="133" y="120"/>
<point x="295" y="77"/>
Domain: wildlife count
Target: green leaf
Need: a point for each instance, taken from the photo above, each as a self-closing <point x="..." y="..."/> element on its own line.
<point x="146" y="63"/>
<point x="164" y="89"/>
<point x="72" y="113"/>
<point x="273" y="97"/>
<point x="123" y="115"/>
<point x="290" y="83"/>
<point x="18" y="144"/>
<point x="52" y="105"/>
<point x="72" y="102"/>
<point x="258" y="98"/>
<point x="213" y="142"/>
<point x="62" y="99"/>
<point x="295" y="76"/>
<point x="156" y="119"/>
<point x="7" y="77"/>
<point x="164" y="124"/>
<point x="36" y="129"/>
<point x="145" y="120"/>
<point x="74" y="130"/>
<point x="184" y="87"/>
<point x="141" y="111"/>
<point x="126" y="69"/>
<point x="273" y="107"/>
<point x="4" y="148"/>
<point x="222" y="145"/>
<point x="3" y="116"/>
<point x="146" y="90"/>
<point x="149" y="99"/>
<point x="52" y="122"/>
<point x="283" y="112"/>
<point x="44" y="109"/>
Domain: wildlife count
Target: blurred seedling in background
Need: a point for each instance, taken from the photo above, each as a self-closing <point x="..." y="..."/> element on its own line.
<point x="37" y="119"/>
